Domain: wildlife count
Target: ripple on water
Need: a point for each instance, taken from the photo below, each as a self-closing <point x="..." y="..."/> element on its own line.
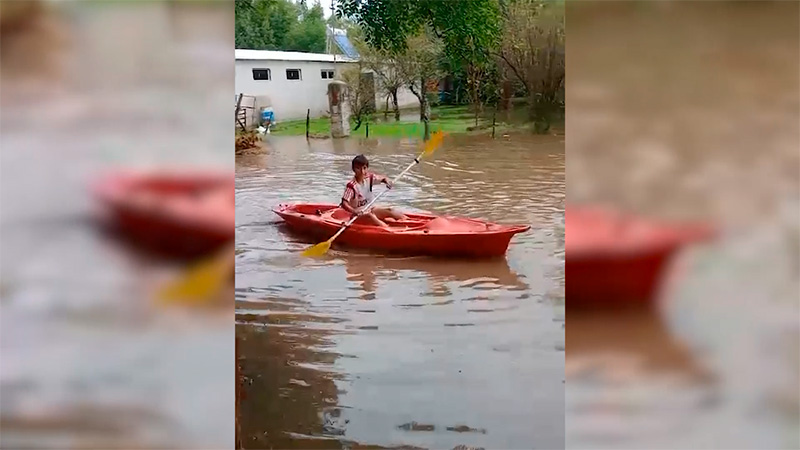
<point x="359" y="329"/>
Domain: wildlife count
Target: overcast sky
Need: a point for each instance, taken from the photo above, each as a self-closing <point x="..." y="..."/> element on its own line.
<point x="326" y="6"/>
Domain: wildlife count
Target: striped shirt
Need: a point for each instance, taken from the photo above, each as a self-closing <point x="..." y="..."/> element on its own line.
<point x="361" y="192"/>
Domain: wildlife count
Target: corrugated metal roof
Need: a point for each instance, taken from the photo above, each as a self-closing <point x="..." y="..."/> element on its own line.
<point x="272" y="55"/>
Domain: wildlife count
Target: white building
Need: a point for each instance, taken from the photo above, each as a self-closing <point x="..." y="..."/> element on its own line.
<point x="294" y="82"/>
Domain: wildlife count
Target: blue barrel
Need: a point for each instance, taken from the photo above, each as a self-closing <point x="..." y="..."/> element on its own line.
<point x="267" y="116"/>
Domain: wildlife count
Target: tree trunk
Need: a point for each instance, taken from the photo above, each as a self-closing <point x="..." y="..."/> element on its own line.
<point x="506" y="99"/>
<point x="474" y="83"/>
<point x="396" y="105"/>
<point x="424" y="111"/>
<point x="423" y="101"/>
<point x="474" y="75"/>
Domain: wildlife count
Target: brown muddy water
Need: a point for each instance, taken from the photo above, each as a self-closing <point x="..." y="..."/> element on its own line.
<point x="360" y="349"/>
<point x="88" y="358"/>
<point x="691" y="110"/>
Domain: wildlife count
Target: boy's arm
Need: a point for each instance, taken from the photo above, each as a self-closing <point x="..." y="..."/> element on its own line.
<point x="347" y="197"/>
<point x="382" y="179"/>
<point x="347" y="207"/>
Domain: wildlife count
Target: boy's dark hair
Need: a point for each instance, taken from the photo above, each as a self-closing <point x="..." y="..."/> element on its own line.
<point x="359" y="161"/>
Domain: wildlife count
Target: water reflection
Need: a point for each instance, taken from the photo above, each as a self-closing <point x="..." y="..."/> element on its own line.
<point x="289" y="393"/>
<point x="439" y="274"/>
<point x="628" y="345"/>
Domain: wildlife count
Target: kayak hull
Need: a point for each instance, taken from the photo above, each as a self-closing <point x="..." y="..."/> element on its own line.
<point x="422" y="234"/>
<point x="615" y="282"/>
<point x="619" y="261"/>
<point x="182" y="215"/>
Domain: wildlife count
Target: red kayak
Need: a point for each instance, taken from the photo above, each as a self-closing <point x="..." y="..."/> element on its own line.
<point x="615" y="260"/>
<point x="180" y="214"/>
<point x="421" y="234"/>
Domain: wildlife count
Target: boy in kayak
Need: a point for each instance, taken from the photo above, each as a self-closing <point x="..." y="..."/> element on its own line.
<point x="358" y="193"/>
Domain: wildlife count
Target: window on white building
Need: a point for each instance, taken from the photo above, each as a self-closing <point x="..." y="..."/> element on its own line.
<point x="261" y="74"/>
<point x="293" y="74"/>
<point x="327" y="74"/>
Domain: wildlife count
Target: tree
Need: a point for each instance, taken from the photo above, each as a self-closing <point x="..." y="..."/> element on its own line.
<point x="475" y="73"/>
<point x="532" y="49"/>
<point x="308" y="34"/>
<point x="279" y="25"/>
<point x="391" y="80"/>
<point x="359" y="94"/>
<point x="252" y="30"/>
<point x="385" y="66"/>
<point x="469" y="29"/>
<point x="469" y="32"/>
<point x="282" y="19"/>
<point x="414" y="67"/>
<point x="419" y="64"/>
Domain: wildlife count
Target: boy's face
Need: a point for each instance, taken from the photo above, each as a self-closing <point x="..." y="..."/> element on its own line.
<point x="361" y="171"/>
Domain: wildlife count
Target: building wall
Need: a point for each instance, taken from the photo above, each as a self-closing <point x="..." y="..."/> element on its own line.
<point x="405" y="99"/>
<point x="290" y="99"/>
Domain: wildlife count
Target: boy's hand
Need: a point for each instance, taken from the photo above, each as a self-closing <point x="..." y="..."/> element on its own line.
<point x="388" y="183"/>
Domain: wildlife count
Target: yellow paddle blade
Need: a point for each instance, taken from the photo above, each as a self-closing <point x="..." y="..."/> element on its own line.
<point x="199" y="284"/>
<point x="434" y="142"/>
<point x="318" y="250"/>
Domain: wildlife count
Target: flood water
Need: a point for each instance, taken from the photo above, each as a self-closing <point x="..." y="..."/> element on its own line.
<point x="89" y="360"/>
<point x="364" y="349"/>
<point x="691" y="110"/>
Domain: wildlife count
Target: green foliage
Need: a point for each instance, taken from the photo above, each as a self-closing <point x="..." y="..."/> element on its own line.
<point x="308" y="34"/>
<point x="463" y="36"/>
<point x="251" y="28"/>
<point x="279" y="25"/>
<point x="469" y="29"/>
<point x="282" y="19"/>
<point x="433" y="99"/>
<point x="532" y="51"/>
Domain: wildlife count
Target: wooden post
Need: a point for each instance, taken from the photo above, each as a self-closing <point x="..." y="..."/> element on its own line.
<point x="494" y="119"/>
<point x="308" y="121"/>
<point x="367" y="130"/>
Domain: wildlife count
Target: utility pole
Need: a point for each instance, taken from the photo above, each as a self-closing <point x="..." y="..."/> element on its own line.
<point x="333" y="50"/>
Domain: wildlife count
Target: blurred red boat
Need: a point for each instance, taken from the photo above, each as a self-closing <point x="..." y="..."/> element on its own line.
<point x="615" y="260"/>
<point x="182" y="214"/>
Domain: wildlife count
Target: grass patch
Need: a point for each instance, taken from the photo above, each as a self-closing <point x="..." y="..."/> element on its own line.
<point x="450" y="119"/>
<point x="320" y="125"/>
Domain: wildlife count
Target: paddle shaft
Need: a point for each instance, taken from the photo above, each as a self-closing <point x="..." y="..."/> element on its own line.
<point x="375" y="199"/>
